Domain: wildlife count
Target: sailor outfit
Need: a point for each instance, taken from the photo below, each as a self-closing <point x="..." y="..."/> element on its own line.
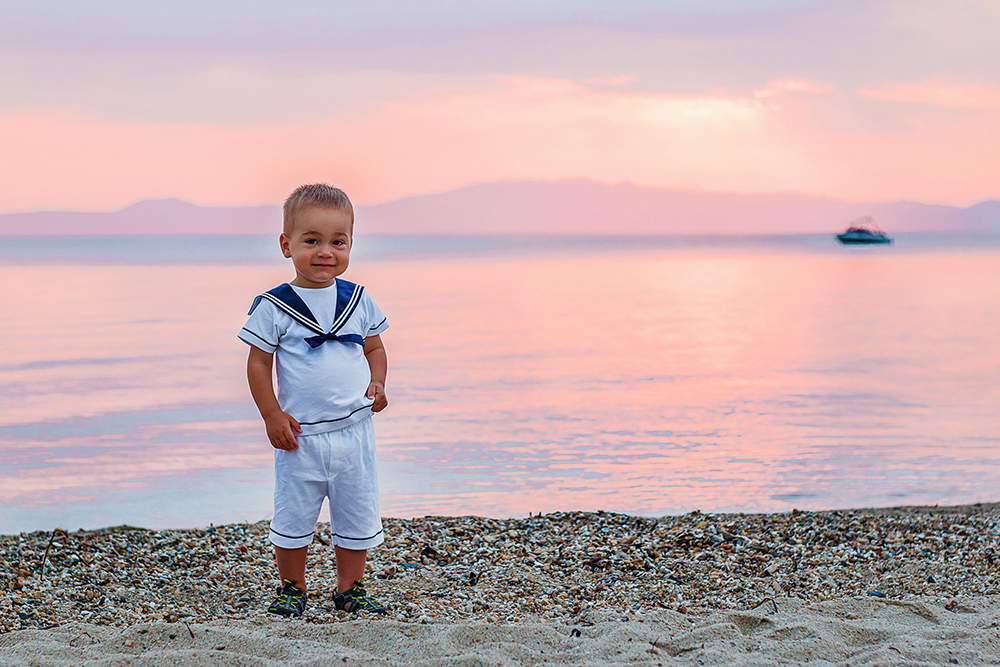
<point x="318" y="338"/>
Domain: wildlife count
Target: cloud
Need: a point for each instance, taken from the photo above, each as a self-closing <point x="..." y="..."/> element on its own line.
<point x="683" y="46"/>
<point x="771" y="138"/>
<point x="942" y="94"/>
<point x="615" y="81"/>
<point x="779" y="86"/>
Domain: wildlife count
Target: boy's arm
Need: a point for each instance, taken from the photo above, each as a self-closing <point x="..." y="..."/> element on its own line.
<point x="279" y="424"/>
<point x="377" y="362"/>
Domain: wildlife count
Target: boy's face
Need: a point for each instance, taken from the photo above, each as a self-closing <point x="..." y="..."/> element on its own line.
<point x="319" y="245"/>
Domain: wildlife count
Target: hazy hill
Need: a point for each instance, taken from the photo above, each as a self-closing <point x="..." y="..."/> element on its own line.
<point x="532" y="207"/>
<point x="150" y="217"/>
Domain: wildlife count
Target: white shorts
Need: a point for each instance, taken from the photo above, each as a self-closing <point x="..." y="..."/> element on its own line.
<point x="339" y="465"/>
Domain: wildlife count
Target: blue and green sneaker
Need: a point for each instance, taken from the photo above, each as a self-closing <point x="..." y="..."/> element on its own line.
<point x="355" y="599"/>
<point x="291" y="601"/>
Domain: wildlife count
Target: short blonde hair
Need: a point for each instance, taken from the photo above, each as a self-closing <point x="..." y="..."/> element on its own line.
<point x="314" y="194"/>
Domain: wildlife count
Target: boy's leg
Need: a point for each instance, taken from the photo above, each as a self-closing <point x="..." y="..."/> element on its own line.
<point x="299" y="490"/>
<point x="291" y="600"/>
<point x="350" y="596"/>
<point x="292" y="566"/>
<point x="355" y="522"/>
<point x="350" y="566"/>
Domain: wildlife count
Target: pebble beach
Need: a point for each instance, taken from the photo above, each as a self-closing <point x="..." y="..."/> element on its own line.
<point x="566" y="588"/>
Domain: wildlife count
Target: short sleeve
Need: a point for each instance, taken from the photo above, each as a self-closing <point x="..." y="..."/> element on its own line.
<point x="375" y="321"/>
<point x="263" y="329"/>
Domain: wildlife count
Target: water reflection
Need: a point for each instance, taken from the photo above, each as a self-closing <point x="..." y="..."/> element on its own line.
<point x="652" y="383"/>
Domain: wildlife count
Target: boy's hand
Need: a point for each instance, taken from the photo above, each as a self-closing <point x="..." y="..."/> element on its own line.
<point x="377" y="392"/>
<point x="279" y="431"/>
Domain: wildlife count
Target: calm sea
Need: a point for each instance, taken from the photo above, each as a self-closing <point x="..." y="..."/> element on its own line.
<point x="644" y="375"/>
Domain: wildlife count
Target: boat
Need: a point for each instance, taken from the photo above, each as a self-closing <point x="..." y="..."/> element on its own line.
<point x="863" y="231"/>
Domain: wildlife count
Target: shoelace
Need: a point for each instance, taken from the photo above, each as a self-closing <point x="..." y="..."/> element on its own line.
<point x="359" y="597"/>
<point x="362" y="598"/>
<point x="285" y="597"/>
<point x="287" y="594"/>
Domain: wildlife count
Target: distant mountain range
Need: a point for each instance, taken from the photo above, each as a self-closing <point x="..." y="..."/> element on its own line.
<point x="532" y="207"/>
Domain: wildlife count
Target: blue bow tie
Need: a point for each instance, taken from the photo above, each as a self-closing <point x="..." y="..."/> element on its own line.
<point x="316" y="341"/>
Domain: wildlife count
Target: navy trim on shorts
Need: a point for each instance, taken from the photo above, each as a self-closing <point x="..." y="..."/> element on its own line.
<point x="338" y="419"/>
<point x="358" y="539"/>
<point x="291" y="537"/>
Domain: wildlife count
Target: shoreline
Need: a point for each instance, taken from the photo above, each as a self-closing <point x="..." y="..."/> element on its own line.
<point x="891" y="510"/>
<point x="557" y="571"/>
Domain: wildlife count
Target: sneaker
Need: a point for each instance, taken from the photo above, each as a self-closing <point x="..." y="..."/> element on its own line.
<point x="291" y="601"/>
<point x="355" y="599"/>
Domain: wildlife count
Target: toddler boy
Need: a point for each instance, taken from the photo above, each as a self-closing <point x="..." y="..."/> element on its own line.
<point x="323" y="332"/>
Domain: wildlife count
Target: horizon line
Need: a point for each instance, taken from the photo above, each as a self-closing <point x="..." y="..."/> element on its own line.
<point x="784" y="193"/>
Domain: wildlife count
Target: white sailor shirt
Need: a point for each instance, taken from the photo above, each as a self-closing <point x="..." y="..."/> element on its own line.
<point x="317" y="337"/>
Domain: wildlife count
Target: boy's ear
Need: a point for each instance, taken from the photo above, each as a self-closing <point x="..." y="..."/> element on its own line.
<point x="285" y="250"/>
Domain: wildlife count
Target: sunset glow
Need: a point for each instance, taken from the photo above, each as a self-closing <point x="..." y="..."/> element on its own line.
<point x="731" y="380"/>
<point x="722" y="97"/>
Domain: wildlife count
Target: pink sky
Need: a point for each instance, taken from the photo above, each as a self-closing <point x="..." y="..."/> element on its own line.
<point x="869" y="101"/>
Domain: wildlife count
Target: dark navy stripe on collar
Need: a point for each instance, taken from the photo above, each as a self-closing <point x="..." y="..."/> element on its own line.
<point x="288" y="301"/>
<point x="291" y="298"/>
<point x="285" y="298"/>
<point x="348" y="298"/>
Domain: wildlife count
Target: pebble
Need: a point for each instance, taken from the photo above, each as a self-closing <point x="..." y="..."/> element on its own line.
<point x="571" y="567"/>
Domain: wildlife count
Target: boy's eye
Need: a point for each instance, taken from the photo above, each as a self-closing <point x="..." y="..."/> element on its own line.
<point x="310" y="241"/>
<point x="338" y="243"/>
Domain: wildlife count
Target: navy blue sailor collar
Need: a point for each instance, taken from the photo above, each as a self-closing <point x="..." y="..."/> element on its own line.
<point x="289" y="302"/>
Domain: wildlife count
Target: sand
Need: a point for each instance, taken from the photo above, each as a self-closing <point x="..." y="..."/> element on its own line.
<point x="787" y="631"/>
<point x="902" y="586"/>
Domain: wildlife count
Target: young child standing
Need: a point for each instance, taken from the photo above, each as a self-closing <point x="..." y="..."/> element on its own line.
<point x="323" y="334"/>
